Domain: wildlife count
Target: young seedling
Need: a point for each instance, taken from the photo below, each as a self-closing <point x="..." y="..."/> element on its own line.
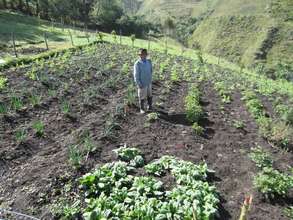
<point x="65" y="107"/>
<point x="152" y="117"/>
<point x="35" y="99"/>
<point x="261" y="158"/>
<point x="197" y="129"/>
<point x="21" y="135"/>
<point x="3" y="82"/>
<point x="238" y="124"/>
<point x="3" y="108"/>
<point x="39" y="127"/>
<point x="75" y="156"/>
<point x="16" y="103"/>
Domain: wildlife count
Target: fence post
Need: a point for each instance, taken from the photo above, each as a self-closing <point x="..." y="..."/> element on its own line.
<point x="149" y="42"/>
<point x="120" y="37"/>
<point x="13" y="42"/>
<point x="71" y="38"/>
<point x="46" y="41"/>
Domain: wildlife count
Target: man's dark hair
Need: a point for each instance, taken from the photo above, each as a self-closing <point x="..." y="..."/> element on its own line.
<point x="142" y="50"/>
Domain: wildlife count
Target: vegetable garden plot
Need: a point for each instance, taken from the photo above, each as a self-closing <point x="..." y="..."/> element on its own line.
<point x="56" y="134"/>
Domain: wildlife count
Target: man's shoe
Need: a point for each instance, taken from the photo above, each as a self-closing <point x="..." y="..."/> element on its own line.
<point x="142" y="111"/>
<point x="150" y="103"/>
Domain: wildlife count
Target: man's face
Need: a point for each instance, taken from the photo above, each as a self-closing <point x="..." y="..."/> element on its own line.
<point x="143" y="55"/>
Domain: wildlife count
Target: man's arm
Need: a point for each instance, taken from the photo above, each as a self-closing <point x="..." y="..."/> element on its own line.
<point x="136" y="74"/>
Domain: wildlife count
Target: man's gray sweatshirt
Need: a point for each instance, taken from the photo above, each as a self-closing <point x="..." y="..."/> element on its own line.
<point x="143" y="72"/>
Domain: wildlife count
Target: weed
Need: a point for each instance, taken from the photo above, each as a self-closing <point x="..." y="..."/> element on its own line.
<point x="39" y="127"/>
<point x="63" y="208"/>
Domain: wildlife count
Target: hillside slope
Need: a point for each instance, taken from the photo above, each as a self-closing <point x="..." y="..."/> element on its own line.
<point x="247" y="31"/>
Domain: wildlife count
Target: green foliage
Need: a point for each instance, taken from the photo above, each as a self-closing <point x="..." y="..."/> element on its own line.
<point x="113" y="192"/>
<point x="193" y="109"/>
<point x="3" y="108"/>
<point x="65" y="107"/>
<point x="152" y="117"/>
<point x="16" y="103"/>
<point x="289" y="212"/>
<point x="238" y="124"/>
<point x="65" y="210"/>
<point x="35" y="99"/>
<point x="253" y="104"/>
<point x="174" y="75"/>
<point x="273" y="183"/>
<point x="20" y="135"/>
<point x="75" y="156"/>
<point x="197" y="128"/>
<point x="127" y="154"/>
<point x="3" y="81"/>
<point x="261" y="158"/>
<point x="39" y="127"/>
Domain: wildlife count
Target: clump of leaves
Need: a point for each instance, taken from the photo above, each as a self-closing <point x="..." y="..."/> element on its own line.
<point x="127" y="154"/>
<point x="152" y="117"/>
<point x="260" y="157"/>
<point x="273" y="183"/>
<point x="39" y="127"/>
<point x="197" y="129"/>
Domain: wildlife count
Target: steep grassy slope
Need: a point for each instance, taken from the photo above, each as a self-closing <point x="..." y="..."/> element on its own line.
<point x="244" y="31"/>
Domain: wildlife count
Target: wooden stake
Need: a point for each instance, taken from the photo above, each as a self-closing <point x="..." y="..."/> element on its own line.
<point x="13" y="42"/>
<point x="71" y="38"/>
<point x="46" y="41"/>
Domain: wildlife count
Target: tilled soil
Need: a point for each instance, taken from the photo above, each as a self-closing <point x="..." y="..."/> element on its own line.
<point x="33" y="173"/>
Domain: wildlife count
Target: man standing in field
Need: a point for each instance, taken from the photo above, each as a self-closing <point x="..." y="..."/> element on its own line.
<point x="142" y="72"/>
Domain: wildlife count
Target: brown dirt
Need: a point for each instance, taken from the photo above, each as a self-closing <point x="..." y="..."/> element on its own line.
<point x="33" y="173"/>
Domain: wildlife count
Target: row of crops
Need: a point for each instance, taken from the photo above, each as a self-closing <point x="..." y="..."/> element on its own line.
<point x="40" y="101"/>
